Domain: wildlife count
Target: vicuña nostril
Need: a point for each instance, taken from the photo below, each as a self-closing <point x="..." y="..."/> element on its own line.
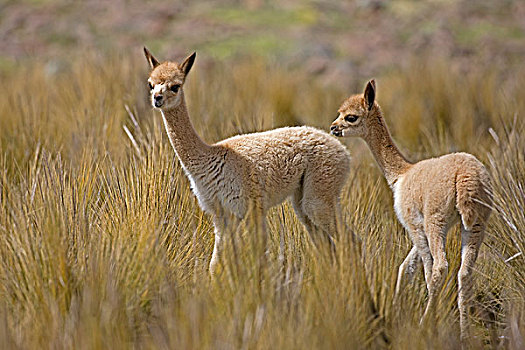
<point x="158" y="98"/>
<point x="333" y="127"/>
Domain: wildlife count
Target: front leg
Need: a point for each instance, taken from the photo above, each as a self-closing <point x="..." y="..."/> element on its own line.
<point x="219" y="223"/>
<point x="216" y="251"/>
<point x="406" y="272"/>
<point x="419" y="254"/>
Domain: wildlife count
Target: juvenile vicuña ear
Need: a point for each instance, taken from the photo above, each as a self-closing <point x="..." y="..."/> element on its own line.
<point x="153" y="62"/>
<point x="188" y="63"/>
<point x="370" y="93"/>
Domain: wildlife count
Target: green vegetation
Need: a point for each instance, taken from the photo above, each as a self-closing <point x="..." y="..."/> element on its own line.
<point x="103" y="245"/>
<point x="267" y="17"/>
<point x="263" y="44"/>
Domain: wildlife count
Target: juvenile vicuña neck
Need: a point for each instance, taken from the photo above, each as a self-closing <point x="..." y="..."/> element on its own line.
<point x="390" y="159"/>
<point x="190" y="148"/>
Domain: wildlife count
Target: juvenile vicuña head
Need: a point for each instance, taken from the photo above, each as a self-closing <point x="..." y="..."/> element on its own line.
<point x="166" y="80"/>
<point x="355" y="113"/>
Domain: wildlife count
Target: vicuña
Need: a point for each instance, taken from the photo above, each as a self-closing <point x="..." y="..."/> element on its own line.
<point x="258" y="170"/>
<point x="429" y="197"/>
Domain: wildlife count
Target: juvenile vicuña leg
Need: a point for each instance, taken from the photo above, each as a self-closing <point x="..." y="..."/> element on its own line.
<point x="470" y="244"/>
<point x="436" y="243"/>
<point x="407" y="271"/>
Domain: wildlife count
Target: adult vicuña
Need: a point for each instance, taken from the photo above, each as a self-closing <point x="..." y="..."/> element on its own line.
<point x="429" y="197"/>
<point x="258" y="170"/>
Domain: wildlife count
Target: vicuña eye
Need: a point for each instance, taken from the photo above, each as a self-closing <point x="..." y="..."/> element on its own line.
<point x="150" y="86"/>
<point x="351" y="118"/>
<point x="175" y="88"/>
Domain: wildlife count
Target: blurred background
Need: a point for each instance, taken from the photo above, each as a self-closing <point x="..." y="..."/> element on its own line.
<point x="339" y="40"/>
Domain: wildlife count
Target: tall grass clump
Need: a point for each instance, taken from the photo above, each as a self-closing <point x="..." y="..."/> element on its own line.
<point x="103" y="245"/>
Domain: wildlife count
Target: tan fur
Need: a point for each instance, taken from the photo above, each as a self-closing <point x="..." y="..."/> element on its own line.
<point x="257" y="170"/>
<point x="429" y="197"/>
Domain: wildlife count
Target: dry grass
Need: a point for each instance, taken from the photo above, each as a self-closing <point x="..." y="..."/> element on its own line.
<point x="102" y="244"/>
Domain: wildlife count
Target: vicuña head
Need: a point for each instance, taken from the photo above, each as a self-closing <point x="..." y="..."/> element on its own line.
<point x="166" y="80"/>
<point x="355" y="113"/>
<point x="429" y="197"/>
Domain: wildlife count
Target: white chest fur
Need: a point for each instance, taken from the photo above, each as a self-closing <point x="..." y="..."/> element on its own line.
<point x="196" y="191"/>
<point x="408" y="211"/>
<point x="398" y="200"/>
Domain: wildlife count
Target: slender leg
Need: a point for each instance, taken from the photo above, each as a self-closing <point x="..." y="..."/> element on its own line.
<point x="435" y="232"/>
<point x="319" y="203"/>
<point x="470" y="244"/>
<point x="215" y="254"/>
<point x="418" y="254"/>
<point x="419" y="239"/>
<point x="263" y="262"/>
<point x="218" y="223"/>
<point x="423" y="251"/>
<point x="407" y="271"/>
<point x="322" y="226"/>
<point x="296" y="204"/>
<point x="317" y="233"/>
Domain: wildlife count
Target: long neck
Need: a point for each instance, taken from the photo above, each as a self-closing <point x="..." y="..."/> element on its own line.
<point x="390" y="160"/>
<point x="190" y="148"/>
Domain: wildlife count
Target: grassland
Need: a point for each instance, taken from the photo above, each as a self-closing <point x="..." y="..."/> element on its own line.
<point x="103" y="245"/>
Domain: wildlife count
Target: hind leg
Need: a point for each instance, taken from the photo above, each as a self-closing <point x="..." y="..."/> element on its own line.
<point x="323" y="222"/>
<point x="319" y="231"/>
<point x="320" y="201"/>
<point x="322" y="208"/>
<point x="296" y="204"/>
<point x="435" y="231"/>
<point x="321" y="188"/>
<point x="470" y="244"/>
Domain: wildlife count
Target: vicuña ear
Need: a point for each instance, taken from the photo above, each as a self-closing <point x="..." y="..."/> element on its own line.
<point x="370" y="93"/>
<point x="188" y="63"/>
<point x="153" y="62"/>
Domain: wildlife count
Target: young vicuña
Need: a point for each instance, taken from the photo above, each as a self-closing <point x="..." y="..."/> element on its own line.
<point x="429" y="197"/>
<point x="252" y="171"/>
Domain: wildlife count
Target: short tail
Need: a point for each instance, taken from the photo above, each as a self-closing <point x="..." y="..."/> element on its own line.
<point x="473" y="195"/>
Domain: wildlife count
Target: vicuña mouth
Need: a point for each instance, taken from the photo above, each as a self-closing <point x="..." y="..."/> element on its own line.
<point x="158" y="104"/>
<point x="337" y="133"/>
